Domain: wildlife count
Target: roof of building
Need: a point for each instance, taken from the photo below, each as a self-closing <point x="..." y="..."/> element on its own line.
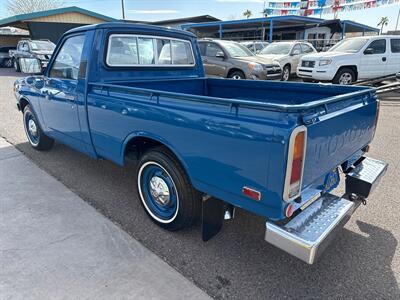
<point x="14" y="20"/>
<point x="195" y="19"/>
<point x="289" y="20"/>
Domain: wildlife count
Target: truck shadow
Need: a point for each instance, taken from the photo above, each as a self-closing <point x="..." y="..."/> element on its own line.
<point x="237" y="263"/>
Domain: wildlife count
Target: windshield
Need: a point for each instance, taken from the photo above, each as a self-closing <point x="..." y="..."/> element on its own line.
<point x="350" y="45"/>
<point x="42" y="45"/>
<point x="277" y="48"/>
<point x="236" y="50"/>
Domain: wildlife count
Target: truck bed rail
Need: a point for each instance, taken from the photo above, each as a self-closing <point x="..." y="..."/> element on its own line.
<point x="236" y="102"/>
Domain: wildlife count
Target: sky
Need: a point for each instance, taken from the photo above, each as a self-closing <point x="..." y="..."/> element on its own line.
<point x="153" y="10"/>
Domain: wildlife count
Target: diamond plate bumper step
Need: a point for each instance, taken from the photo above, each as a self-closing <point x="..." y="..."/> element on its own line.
<point x="311" y="231"/>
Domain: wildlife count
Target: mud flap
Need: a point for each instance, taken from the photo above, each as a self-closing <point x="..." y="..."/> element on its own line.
<point x="212" y="217"/>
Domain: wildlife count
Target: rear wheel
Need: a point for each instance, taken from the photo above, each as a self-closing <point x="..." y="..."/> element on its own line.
<point x="16" y="65"/>
<point x="37" y="139"/>
<point x="237" y="75"/>
<point x="344" y="76"/>
<point x="165" y="190"/>
<point x="286" y="73"/>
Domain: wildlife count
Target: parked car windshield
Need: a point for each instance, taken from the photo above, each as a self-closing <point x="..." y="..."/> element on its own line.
<point x="42" y="45"/>
<point x="236" y="50"/>
<point x="349" y="45"/>
<point x="277" y="48"/>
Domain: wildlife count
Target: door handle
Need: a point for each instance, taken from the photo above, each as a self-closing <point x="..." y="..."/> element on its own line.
<point x="383" y="58"/>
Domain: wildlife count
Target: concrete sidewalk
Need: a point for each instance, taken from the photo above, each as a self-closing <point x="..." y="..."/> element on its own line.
<point x="53" y="245"/>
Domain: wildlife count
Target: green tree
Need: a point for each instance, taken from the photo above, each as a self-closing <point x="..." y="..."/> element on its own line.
<point x="383" y="22"/>
<point x="17" y="7"/>
<point x="247" y="13"/>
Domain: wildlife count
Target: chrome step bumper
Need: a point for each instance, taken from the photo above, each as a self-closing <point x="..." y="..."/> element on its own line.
<point x="309" y="233"/>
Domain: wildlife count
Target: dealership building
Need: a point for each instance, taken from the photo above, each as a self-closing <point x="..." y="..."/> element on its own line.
<point x="51" y="24"/>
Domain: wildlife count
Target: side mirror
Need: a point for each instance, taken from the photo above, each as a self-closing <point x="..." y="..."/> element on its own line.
<point x="35" y="81"/>
<point x="398" y="76"/>
<point x="220" y="54"/>
<point x="295" y="52"/>
<point x="369" y="51"/>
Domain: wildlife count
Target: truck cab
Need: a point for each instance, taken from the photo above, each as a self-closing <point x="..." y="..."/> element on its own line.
<point x="133" y="93"/>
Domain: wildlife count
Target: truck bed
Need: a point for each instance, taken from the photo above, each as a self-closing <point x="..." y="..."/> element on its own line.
<point x="264" y="94"/>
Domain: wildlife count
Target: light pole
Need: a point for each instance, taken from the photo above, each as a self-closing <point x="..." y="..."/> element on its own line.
<point x="397" y="21"/>
<point x="123" y="9"/>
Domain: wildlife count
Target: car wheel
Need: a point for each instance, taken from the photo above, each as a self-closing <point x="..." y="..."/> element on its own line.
<point x="286" y="73"/>
<point x="236" y="75"/>
<point x="37" y="139"/>
<point x="165" y="190"/>
<point x="16" y="65"/>
<point x="8" y="63"/>
<point x="344" y="76"/>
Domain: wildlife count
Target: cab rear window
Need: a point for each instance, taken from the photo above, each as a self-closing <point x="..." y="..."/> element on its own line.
<point x="127" y="50"/>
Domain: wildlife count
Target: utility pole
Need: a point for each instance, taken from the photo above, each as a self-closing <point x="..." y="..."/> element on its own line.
<point x="123" y="9"/>
<point x="397" y="22"/>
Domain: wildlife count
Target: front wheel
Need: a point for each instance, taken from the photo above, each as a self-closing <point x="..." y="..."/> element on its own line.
<point x="237" y="75"/>
<point x="285" y="73"/>
<point x="344" y="76"/>
<point x="37" y="139"/>
<point x="165" y="190"/>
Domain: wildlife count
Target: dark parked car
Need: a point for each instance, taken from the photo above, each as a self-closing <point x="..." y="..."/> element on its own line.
<point x="230" y="59"/>
<point x="26" y="48"/>
<point x="5" y="60"/>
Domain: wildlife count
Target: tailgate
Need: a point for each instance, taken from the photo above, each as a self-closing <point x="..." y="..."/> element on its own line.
<point x="341" y="131"/>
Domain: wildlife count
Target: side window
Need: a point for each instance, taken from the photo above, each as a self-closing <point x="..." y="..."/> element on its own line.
<point x="212" y="49"/>
<point x="306" y="48"/>
<point x="297" y="49"/>
<point x="125" y="50"/>
<point x="395" y="45"/>
<point x="377" y="46"/>
<point x="66" y="64"/>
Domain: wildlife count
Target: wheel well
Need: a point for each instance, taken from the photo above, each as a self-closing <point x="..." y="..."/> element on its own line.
<point x="137" y="146"/>
<point x="288" y="64"/>
<point x="234" y="70"/>
<point x="22" y="104"/>
<point x="353" y="68"/>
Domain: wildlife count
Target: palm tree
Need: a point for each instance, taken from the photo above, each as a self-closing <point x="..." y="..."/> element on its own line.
<point x="247" y="13"/>
<point x="383" y="22"/>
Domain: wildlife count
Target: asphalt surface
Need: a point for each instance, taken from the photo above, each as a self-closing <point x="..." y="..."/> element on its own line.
<point x="362" y="263"/>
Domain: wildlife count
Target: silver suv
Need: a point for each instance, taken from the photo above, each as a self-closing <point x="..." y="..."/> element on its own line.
<point x="232" y="60"/>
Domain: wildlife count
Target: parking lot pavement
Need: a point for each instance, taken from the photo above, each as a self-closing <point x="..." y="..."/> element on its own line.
<point x="363" y="262"/>
<point x="53" y="245"/>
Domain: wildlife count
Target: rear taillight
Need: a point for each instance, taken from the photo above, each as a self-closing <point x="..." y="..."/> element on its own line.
<point x="295" y="163"/>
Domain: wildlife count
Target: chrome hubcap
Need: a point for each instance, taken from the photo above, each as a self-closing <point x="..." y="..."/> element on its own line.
<point x="236" y="77"/>
<point x="32" y="127"/>
<point x="159" y="190"/>
<point x="345" y="78"/>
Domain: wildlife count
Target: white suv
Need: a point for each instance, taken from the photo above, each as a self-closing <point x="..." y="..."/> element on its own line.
<point x="353" y="59"/>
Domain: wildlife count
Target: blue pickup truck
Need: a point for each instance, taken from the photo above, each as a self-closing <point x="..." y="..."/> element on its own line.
<point x="132" y="93"/>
